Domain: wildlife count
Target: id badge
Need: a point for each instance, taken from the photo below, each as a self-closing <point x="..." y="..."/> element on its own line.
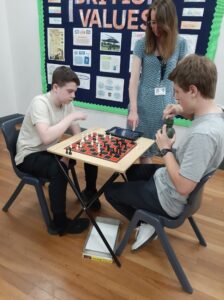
<point x="160" y="91"/>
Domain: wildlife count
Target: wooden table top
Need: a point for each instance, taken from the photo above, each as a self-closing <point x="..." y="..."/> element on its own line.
<point x="121" y="166"/>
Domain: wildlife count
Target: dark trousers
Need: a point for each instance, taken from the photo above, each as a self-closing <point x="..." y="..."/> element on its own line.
<point x="138" y="193"/>
<point x="44" y="164"/>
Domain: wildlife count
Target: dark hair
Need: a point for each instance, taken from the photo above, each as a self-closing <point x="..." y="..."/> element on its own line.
<point x="166" y="17"/>
<point x="63" y="75"/>
<point x="196" y="70"/>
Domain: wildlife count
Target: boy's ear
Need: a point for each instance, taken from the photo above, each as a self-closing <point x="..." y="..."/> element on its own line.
<point x="193" y="90"/>
<point x="54" y="87"/>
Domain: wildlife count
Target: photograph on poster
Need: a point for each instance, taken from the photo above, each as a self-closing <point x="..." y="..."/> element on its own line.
<point x="82" y="57"/>
<point x="82" y="36"/>
<point x="110" y="63"/>
<point x="84" y="80"/>
<point x="110" y="41"/>
<point x="56" y="44"/>
<point x="193" y="12"/>
<point x="109" y="88"/>
<point x="136" y="35"/>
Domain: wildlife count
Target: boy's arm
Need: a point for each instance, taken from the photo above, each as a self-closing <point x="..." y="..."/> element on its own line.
<point x="183" y="185"/>
<point x="173" y="110"/>
<point x="49" y="134"/>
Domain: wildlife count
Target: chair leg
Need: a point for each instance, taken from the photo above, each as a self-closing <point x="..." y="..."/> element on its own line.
<point x="13" y="197"/>
<point x="173" y="259"/>
<point x="132" y="225"/>
<point x="197" y="232"/>
<point x="43" y="204"/>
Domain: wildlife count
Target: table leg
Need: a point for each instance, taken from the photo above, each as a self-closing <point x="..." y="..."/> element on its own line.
<point x="86" y="208"/>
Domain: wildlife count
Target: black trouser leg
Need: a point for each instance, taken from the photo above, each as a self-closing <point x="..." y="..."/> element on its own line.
<point x="91" y="172"/>
<point x="44" y="164"/>
<point x="139" y="193"/>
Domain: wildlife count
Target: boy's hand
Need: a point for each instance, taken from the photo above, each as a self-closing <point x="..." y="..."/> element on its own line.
<point x="172" y="110"/>
<point x="79" y="115"/>
<point x="162" y="140"/>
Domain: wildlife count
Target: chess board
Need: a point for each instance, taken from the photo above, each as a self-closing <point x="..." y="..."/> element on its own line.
<point x="102" y="146"/>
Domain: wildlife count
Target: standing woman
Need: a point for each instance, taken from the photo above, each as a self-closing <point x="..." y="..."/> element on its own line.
<point x="154" y="58"/>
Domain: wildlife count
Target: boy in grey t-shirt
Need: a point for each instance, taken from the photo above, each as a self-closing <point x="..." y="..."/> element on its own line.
<point x="164" y="189"/>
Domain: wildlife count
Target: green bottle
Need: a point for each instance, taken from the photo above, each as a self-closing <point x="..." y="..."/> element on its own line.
<point x="170" y="131"/>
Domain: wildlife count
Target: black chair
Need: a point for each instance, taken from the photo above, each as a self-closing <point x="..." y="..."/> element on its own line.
<point x="159" y="222"/>
<point x="10" y="132"/>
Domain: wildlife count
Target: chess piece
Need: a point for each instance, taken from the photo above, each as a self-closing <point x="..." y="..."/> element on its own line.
<point x="170" y="131"/>
<point x="70" y="150"/>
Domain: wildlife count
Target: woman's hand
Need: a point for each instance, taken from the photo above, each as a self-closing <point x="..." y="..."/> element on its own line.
<point x="133" y="119"/>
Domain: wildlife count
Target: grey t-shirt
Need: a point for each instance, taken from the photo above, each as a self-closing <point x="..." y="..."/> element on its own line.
<point x="199" y="153"/>
<point x="41" y="110"/>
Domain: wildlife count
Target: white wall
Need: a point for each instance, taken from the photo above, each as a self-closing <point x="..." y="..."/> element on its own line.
<point x="24" y="62"/>
<point x="23" y="25"/>
<point x="7" y="84"/>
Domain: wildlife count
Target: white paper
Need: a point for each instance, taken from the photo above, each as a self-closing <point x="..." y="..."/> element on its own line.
<point x="56" y="44"/>
<point x="136" y="35"/>
<point x="194" y="0"/>
<point x="109" y="88"/>
<point x="193" y="12"/>
<point x="54" y="1"/>
<point x="191" y="25"/>
<point x="191" y="42"/>
<point x="55" y="21"/>
<point x="50" y="70"/>
<point x="84" y="80"/>
<point x="82" y="36"/>
<point x="95" y="242"/>
<point x="82" y="57"/>
<point x="54" y="10"/>
<point x="110" y="63"/>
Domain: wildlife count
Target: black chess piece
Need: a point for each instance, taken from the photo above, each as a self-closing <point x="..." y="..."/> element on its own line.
<point x="170" y="131"/>
<point x="70" y="150"/>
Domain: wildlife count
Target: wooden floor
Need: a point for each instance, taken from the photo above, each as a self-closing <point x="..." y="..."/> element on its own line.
<point x="36" y="265"/>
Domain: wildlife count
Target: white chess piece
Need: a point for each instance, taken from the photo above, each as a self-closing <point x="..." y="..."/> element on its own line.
<point x="98" y="148"/>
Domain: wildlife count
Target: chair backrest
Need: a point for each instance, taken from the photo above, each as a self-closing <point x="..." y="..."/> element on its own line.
<point x="194" y="199"/>
<point x="193" y="204"/>
<point x="10" y="132"/>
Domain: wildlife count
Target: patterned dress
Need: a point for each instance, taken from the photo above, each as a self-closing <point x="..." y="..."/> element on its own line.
<point x="150" y="107"/>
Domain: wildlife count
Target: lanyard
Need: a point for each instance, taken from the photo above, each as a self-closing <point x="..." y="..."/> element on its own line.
<point x="163" y="70"/>
<point x="162" y="67"/>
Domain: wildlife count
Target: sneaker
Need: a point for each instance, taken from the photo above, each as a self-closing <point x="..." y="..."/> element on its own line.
<point x="87" y="196"/>
<point x="144" y="233"/>
<point x="72" y="227"/>
<point x="77" y="225"/>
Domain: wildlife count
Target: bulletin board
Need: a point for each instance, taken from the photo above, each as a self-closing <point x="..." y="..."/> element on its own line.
<point x="96" y="39"/>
